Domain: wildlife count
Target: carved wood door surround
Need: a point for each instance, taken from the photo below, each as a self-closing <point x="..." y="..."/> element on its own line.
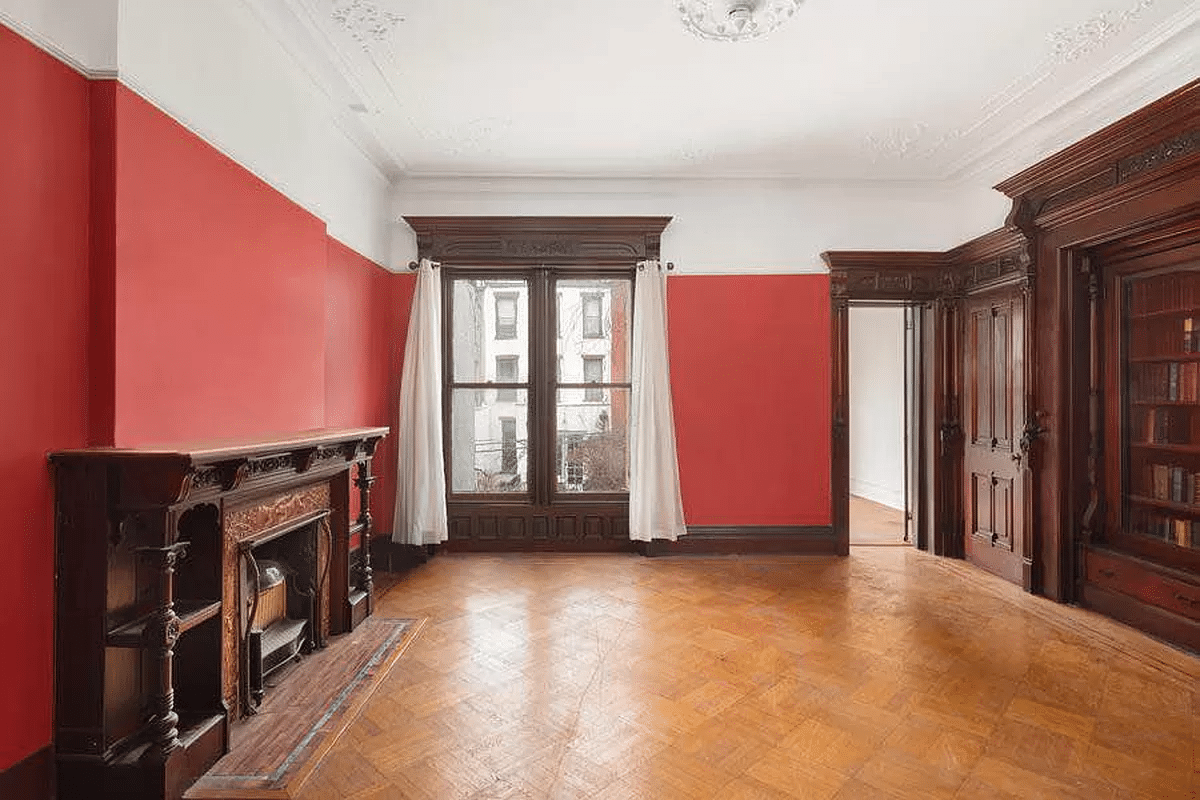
<point x="975" y="327"/>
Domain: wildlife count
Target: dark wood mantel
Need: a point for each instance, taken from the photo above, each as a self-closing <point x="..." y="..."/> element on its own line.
<point x="152" y="596"/>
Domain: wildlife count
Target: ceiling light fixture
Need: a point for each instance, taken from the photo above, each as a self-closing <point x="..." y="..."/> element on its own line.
<point x="731" y="20"/>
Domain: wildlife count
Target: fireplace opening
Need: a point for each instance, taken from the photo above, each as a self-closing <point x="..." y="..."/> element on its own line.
<point x="282" y="587"/>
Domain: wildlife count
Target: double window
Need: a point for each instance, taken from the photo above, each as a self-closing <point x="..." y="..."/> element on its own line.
<point x="537" y="382"/>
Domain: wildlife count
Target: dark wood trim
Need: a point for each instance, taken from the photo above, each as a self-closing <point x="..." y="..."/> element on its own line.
<point x="1158" y="622"/>
<point x="839" y="445"/>
<point x="748" y="540"/>
<point x="887" y="275"/>
<point x="538" y="546"/>
<point x="533" y="241"/>
<point x="1132" y="189"/>
<point x="31" y="778"/>
<point x="1159" y="139"/>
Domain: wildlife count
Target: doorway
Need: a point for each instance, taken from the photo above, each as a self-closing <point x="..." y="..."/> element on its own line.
<point x="883" y="349"/>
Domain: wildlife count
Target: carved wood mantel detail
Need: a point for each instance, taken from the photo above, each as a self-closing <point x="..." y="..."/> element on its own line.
<point x="275" y="511"/>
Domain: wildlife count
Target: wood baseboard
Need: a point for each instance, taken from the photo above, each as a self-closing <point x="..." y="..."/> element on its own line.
<point x="747" y="540"/>
<point x="30" y="779"/>
<point x="700" y="540"/>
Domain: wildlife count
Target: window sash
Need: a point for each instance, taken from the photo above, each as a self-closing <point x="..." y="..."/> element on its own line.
<point x="546" y="329"/>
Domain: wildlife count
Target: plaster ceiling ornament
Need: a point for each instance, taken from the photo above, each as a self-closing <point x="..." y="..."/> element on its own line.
<point x="1073" y="43"/>
<point x="364" y="20"/>
<point x="897" y="142"/>
<point x="732" y="20"/>
<point x="478" y="136"/>
<point x="1067" y="45"/>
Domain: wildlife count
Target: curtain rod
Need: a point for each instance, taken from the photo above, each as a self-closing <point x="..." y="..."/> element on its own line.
<point x="415" y="265"/>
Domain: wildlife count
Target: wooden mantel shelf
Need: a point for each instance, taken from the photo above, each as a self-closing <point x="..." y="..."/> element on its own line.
<point x="208" y="451"/>
<point x="171" y="473"/>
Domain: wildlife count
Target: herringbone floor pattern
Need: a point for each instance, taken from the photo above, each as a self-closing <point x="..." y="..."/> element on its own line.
<point x="889" y="674"/>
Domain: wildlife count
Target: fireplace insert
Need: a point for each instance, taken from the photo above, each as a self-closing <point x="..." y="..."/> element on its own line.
<point x="281" y="587"/>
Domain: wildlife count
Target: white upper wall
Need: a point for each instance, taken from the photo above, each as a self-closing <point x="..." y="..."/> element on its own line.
<point x="214" y="67"/>
<point x="728" y="226"/>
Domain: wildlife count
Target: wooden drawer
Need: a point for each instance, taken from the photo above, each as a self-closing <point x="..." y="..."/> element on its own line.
<point x="1140" y="579"/>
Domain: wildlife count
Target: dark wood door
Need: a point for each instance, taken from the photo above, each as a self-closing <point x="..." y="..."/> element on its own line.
<point x="993" y="401"/>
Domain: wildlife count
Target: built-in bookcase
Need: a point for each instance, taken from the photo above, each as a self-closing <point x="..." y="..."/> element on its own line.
<point x="1161" y="492"/>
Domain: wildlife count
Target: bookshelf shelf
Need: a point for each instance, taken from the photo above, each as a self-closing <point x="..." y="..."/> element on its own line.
<point x="1181" y="508"/>
<point x="1177" y="357"/>
<point x="1162" y="447"/>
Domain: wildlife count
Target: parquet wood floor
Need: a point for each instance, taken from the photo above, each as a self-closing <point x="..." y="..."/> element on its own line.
<point x="888" y="674"/>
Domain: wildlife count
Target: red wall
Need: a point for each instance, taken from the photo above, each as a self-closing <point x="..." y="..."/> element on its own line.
<point x="43" y="360"/>
<point x="366" y="317"/>
<point x="751" y="387"/>
<point x="220" y="292"/>
<point x="155" y="291"/>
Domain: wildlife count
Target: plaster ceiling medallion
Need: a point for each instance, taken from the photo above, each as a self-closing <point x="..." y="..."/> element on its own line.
<point x="1075" y="42"/>
<point x="732" y="20"/>
<point x="364" y="20"/>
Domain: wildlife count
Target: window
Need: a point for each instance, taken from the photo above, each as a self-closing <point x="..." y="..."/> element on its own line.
<point x="553" y="418"/>
<point x="593" y="321"/>
<point x="506" y="315"/>
<point x="506" y="372"/>
<point x="593" y="372"/>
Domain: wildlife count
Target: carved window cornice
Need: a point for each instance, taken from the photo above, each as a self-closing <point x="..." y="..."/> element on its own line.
<point x="526" y="241"/>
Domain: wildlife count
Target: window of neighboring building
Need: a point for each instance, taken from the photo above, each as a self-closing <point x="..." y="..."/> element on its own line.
<point x="593" y="372"/>
<point x="593" y="316"/>
<point x="506" y="315"/>
<point x="506" y="372"/>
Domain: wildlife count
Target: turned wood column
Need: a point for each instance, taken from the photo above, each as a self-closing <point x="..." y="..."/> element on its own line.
<point x="364" y="480"/>
<point x="162" y="632"/>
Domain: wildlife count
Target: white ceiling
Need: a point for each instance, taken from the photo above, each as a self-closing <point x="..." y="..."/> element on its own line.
<point x="848" y="90"/>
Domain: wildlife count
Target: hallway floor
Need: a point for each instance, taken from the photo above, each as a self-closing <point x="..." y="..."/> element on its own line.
<point x="888" y="674"/>
<point x="875" y="523"/>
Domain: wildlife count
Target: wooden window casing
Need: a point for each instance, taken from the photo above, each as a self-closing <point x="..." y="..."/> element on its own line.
<point x="554" y="510"/>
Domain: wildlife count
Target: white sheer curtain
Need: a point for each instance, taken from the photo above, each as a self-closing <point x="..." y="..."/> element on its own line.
<point x="655" y="502"/>
<point x="420" y="478"/>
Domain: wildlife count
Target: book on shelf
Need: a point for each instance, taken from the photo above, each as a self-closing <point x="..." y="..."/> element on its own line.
<point x="1172" y="484"/>
<point x="1161" y="481"/>
<point x="1182" y="532"/>
<point x="1189" y="381"/>
<point x="1174" y="530"/>
<point x="1170" y="425"/>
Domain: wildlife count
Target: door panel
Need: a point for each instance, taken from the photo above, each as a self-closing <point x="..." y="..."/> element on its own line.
<point x="993" y="392"/>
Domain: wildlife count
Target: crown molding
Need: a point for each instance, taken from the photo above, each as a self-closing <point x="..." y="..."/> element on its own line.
<point x="1071" y="114"/>
<point x="313" y="57"/>
<point x="52" y="49"/>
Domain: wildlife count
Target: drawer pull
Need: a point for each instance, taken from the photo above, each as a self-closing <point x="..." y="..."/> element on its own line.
<point x="1108" y="573"/>
<point x="1183" y="598"/>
